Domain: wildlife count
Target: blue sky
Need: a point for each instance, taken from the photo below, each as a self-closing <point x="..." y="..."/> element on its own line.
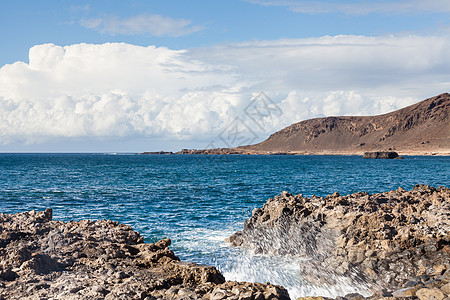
<point x="150" y="75"/>
<point x="28" y="23"/>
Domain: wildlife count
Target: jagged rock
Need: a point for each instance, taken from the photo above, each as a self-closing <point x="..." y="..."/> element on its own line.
<point x="379" y="241"/>
<point x="381" y="155"/>
<point x="41" y="259"/>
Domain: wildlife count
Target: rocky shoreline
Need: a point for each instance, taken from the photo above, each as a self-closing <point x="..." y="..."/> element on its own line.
<point x="218" y="151"/>
<point x="45" y="259"/>
<point x="396" y="244"/>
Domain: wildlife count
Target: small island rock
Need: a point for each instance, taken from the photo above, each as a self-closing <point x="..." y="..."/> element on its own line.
<point x="382" y="155"/>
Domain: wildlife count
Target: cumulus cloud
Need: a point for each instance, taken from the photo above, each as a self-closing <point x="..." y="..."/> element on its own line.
<point x="123" y="91"/>
<point x="142" y="24"/>
<point x="361" y="7"/>
<point x="109" y="90"/>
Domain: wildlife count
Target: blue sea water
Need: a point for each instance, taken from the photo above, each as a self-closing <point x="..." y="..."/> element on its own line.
<point x="198" y="201"/>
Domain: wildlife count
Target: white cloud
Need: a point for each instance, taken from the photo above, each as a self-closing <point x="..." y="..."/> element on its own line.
<point x="122" y="91"/>
<point x="143" y="24"/>
<point x="361" y="7"/>
<point x="339" y="62"/>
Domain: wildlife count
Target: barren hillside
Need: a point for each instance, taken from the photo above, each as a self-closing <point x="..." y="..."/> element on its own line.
<point x="422" y="128"/>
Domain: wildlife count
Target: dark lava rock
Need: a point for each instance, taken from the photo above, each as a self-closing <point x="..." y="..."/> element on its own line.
<point x="45" y="259"/>
<point x="382" y="155"/>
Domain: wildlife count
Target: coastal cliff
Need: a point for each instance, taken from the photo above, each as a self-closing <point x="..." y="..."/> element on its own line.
<point x="385" y="242"/>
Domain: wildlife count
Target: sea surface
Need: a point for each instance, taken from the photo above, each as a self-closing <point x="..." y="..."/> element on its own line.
<point x="197" y="201"/>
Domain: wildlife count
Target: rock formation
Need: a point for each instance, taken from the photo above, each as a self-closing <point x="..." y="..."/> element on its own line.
<point x="384" y="241"/>
<point x="420" y="128"/>
<point x="45" y="259"/>
<point x="381" y="155"/>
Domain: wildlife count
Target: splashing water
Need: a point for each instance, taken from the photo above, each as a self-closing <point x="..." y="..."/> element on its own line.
<point x="285" y="271"/>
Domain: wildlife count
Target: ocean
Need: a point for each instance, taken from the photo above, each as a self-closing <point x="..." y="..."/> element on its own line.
<point x="197" y="201"/>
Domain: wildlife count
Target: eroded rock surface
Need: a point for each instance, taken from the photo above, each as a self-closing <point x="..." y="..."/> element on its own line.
<point x="383" y="241"/>
<point x="45" y="259"/>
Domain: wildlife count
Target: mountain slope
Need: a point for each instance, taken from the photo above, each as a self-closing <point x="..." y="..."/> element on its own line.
<point x="422" y="128"/>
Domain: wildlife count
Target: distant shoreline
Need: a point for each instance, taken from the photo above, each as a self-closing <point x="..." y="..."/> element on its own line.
<point x="421" y="129"/>
<point x="236" y="151"/>
<point x="447" y="153"/>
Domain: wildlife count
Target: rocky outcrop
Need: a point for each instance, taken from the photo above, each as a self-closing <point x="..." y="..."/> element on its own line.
<point x="45" y="259"/>
<point x="392" y="240"/>
<point x="381" y="155"/>
<point x="157" y="153"/>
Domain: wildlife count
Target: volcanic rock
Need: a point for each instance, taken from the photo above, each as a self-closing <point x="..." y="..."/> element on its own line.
<point x="45" y="259"/>
<point x="381" y="241"/>
<point x="381" y="155"/>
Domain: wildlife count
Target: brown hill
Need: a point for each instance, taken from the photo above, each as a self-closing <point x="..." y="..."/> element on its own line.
<point x="422" y="128"/>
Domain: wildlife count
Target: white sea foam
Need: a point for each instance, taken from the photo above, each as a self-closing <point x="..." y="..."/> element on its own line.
<point x="285" y="271"/>
<point x="240" y="265"/>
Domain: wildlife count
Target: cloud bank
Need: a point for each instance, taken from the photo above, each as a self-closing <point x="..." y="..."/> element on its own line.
<point x="123" y="91"/>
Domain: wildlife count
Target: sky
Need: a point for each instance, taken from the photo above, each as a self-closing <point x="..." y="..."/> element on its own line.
<point x="144" y="75"/>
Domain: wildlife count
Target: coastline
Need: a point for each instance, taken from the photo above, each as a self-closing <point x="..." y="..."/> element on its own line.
<point x="42" y="258"/>
<point x="237" y="151"/>
<point x="104" y="259"/>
